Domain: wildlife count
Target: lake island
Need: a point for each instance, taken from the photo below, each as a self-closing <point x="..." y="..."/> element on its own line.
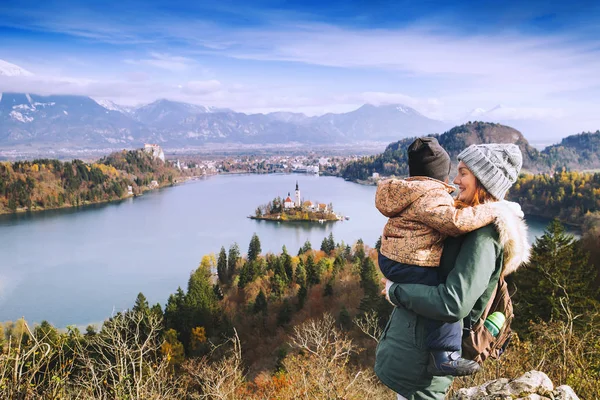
<point x="297" y="210"/>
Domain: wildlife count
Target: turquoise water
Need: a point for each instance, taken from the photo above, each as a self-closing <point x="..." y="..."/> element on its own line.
<point x="79" y="266"/>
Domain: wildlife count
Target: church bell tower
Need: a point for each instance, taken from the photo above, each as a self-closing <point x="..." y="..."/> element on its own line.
<point x="298" y="204"/>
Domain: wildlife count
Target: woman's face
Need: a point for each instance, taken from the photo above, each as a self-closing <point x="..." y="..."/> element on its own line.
<point x="467" y="184"/>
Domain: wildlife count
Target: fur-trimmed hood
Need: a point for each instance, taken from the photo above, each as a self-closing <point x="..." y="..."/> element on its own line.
<point x="514" y="239"/>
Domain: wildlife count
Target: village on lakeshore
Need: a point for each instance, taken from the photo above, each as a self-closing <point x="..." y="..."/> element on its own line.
<point x="297" y="209"/>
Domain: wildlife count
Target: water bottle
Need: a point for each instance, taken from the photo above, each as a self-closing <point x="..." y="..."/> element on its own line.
<point x="494" y="323"/>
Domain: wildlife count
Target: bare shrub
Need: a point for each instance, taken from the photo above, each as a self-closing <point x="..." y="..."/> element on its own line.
<point x="368" y="323"/>
<point x="33" y="366"/>
<point x="320" y="368"/>
<point x="220" y="379"/>
<point x="123" y="361"/>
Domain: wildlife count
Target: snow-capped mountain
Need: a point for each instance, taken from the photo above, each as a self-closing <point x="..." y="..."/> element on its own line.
<point x="8" y="69"/>
<point x="284" y="116"/>
<point x="166" y="113"/>
<point x="112" y="106"/>
<point x="476" y="112"/>
<point x="73" y="121"/>
<point x="76" y="120"/>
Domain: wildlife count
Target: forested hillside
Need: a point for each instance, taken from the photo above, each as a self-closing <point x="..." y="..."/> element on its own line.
<point x="576" y="152"/>
<point x="286" y="326"/>
<point x="568" y="196"/>
<point x="45" y="184"/>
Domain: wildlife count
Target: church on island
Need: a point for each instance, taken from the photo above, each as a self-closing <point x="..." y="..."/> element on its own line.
<point x="296" y="209"/>
<point x="308" y="205"/>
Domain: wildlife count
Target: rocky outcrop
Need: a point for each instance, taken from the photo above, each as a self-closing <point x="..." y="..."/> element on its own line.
<point x="533" y="385"/>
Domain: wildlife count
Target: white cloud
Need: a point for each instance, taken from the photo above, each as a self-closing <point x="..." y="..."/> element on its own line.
<point x="514" y="113"/>
<point x="201" y="87"/>
<point x="165" y="61"/>
<point x="536" y="66"/>
<point x="440" y="74"/>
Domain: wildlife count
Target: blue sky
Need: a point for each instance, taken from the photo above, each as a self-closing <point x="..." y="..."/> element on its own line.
<point x="539" y="59"/>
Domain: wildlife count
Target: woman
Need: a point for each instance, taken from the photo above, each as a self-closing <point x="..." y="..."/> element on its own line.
<point x="471" y="266"/>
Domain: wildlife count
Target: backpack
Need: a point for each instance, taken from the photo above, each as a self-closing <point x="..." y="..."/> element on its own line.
<point x="478" y="343"/>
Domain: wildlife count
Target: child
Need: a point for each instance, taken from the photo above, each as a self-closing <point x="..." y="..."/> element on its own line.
<point x="421" y="215"/>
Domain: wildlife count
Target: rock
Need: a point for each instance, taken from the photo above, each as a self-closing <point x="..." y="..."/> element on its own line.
<point x="533" y="385"/>
<point x="565" y="392"/>
<point x="531" y="382"/>
<point x="480" y="392"/>
<point x="534" y="396"/>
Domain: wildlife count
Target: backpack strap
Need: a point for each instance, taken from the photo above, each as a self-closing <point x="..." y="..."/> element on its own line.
<point x="468" y="324"/>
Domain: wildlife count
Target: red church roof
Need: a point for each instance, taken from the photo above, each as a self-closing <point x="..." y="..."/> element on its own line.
<point x="288" y="200"/>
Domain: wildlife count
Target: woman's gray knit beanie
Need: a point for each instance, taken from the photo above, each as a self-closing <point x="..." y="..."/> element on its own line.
<point x="496" y="165"/>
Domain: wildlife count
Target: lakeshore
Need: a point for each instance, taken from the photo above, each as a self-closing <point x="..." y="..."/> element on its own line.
<point x="38" y="209"/>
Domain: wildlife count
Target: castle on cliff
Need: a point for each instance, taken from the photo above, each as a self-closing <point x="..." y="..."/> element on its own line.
<point x="155" y="150"/>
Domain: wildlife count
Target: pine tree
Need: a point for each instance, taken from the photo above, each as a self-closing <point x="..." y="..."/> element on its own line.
<point x="325" y="245"/>
<point x="372" y="299"/>
<point x="368" y="276"/>
<point x="558" y="275"/>
<point x="345" y="319"/>
<point x="222" y="266"/>
<point x="285" y="313"/>
<point x="260" y="303"/>
<point x="46" y="333"/>
<point x="157" y="310"/>
<point x="305" y="247"/>
<point x="279" y="269"/>
<point x="254" y="249"/>
<point x="302" y="293"/>
<point x="141" y="307"/>
<point x="90" y="331"/>
<point x="234" y="255"/>
<point x="141" y="304"/>
<point x="300" y="277"/>
<point x="174" y="310"/>
<point x="244" y="277"/>
<point x="330" y="243"/>
<point x="277" y="286"/>
<point x="313" y="276"/>
<point x="286" y="260"/>
<point x="328" y="291"/>
<point x="378" y="244"/>
<point x="359" y="252"/>
<point x="200" y="305"/>
<point x="338" y="264"/>
<point x="348" y="252"/>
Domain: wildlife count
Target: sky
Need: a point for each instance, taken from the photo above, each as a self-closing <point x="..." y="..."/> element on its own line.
<point x="539" y="59"/>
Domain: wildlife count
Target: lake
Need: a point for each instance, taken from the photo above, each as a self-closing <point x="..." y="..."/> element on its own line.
<point x="80" y="266"/>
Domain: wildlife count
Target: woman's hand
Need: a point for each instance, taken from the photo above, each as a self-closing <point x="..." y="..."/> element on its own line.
<point x="386" y="290"/>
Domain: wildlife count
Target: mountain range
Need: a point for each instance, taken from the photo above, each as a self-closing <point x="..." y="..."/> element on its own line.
<point x="79" y="121"/>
